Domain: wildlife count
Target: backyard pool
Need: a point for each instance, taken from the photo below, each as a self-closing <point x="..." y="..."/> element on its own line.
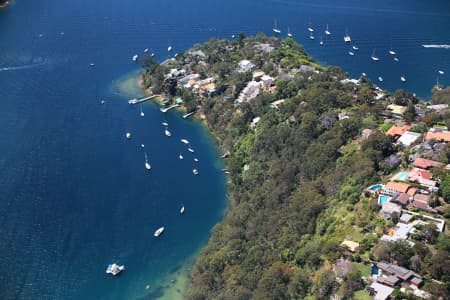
<point x="402" y="176"/>
<point x="382" y="199"/>
<point x="376" y="187"/>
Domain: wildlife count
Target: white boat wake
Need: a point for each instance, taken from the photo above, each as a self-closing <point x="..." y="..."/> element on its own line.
<point x="437" y="46"/>
<point x="15" y="68"/>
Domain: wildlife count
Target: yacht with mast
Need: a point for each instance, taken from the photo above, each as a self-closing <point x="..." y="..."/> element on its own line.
<point x="142" y="113"/>
<point x="311" y="36"/>
<point x="310" y="29"/>
<point x="289" y="32"/>
<point x="147" y="164"/>
<point x="167" y="132"/>
<point x="374" y="57"/>
<point x="275" y="27"/>
<point x="402" y="78"/>
<point x="327" y="31"/>
<point x="321" y="41"/>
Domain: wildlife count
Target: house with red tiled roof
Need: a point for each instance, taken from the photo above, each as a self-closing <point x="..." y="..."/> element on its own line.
<point x="426" y="163"/>
<point x="393" y="188"/>
<point x="412" y="191"/>
<point x="417" y="174"/>
<point x="441" y="136"/>
<point x="398" y="131"/>
<point x="403" y="199"/>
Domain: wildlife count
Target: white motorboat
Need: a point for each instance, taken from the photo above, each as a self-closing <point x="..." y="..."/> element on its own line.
<point x="167" y="132"/>
<point x="135" y="57"/>
<point x="310" y="29"/>
<point x="153" y="54"/>
<point x="142" y="145"/>
<point x="380" y="79"/>
<point x="146" y="50"/>
<point x="114" y="269"/>
<point x="92" y="64"/>
<point x="102" y="101"/>
<point x="392" y="52"/>
<point x="169" y="48"/>
<point x="165" y="124"/>
<point x="158" y="232"/>
<point x="182" y="210"/>
<point x="441" y="72"/>
<point x="195" y="171"/>
<point x="402" y="78"/>
<point x="191" y="150"/>
<point x="147" y="164"/>
<point x="355" y="48"/>
<point x="185" y="141"/>
<point x="275" y="27"/>
<point x="396" y="59"/>
<point x="128" y="135"/>
<point x="327" y="31"/>
<point x="196" y="159"/>
<point x="351" y="53"/>
<point x="180" y="156"/>
<point x="363" y="74"/>
<point x="142" y="113"/>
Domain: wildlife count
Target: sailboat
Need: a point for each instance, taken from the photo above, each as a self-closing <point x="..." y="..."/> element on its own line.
<point x="146" y="50"/>
<point x="396" y="59"/>
<point x="311" y="37"/>
<point x="142" y="113"/>
<point x="275" y="27"/>
<point x="135" y="57"/>
<point x="347" y="38"/>
<point x="327" y="31"/>
<point x="351" y="53"/>
<point x="289" y="33"/>
<point x="180" y="157"/>
<point x="182" y="210"/>
<point x="167" y="132"/>
<point x="392" y="52"/>
<point x="355" y="48"/>
<point x="402" y="78"/>
<point x="310" y="29"/>
<point x="373" y="57"/>
<point x="321" y="42"/>
<point x="147" y="164"/>
<point x="169" y="48"/>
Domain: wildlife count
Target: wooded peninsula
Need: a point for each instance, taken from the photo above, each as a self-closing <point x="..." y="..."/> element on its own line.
<point x="337" y="187"/>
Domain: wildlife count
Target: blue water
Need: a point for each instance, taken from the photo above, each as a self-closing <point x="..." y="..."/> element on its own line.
<point x="74" y="193"/>
<point x="376" y="187"/>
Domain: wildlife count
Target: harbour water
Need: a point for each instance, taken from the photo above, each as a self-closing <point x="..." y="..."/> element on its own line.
<point x="75" y="195"/>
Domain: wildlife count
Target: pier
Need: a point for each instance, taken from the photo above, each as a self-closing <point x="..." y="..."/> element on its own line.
<point x="168" y="108"/>
<point x="137" y="101"/>
<point x="188" y="115"/>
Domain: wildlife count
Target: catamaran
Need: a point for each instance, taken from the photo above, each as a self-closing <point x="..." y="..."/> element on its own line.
<point x="147" y="164"/>
<point x="275" y="27"/>
<point x="347" y="38"/>
<point x="373" y="57"/>
<point x="327" y="31"/>
<point x="158" y="232"/>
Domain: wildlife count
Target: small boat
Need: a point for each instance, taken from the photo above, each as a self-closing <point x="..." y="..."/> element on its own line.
<point x="167" y="132"/>
<point x="355" y="48"/>
<point x="191" y="150"/>
<point x="142" y="113"/>
<point x="310" y="29"/>
<point x="373" y="57"/>
<point x="195" y="171"/>
<point x="402" y="78"/>
<point x="347" y="38"/>
<point x="321" y="42"/>
<point x="158" y="232"/>
<point x="102" y="101"/>
<point x="184" y="141"/>
<point x="169" y="48"/>
<point x="289" y="33"/>
<point x="92" y="64"/>
<point x="165" y="124"/>
<point x="275" y="27"/>
<point x="311" y="37"/>
<point x="147" y="164"/>
<point x="135" y="57"/>
<point x="327" y="31"/>
<point x="153" y="54"/>
<point x="226" y="171"/>
<point x="142" y="146"/>
<point x="392" y="52"/>
<point x="233" y="36"/>
<point x="146" y="50"/>
<point x="128" y="135"/>
<point x="114" y="269"/>
<point x="180" y="156"/>
<point x="380" y="79"/>
<point x="363" y="74"/>
<point x="396" y="59"/>
<point x="182" y="210"/>
<point x="196" y="159"/>
<point x="441" y="72"/>
<point x="351" y="53"/>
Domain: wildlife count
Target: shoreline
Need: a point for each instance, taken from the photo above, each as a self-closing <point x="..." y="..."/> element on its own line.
<point x="5" y="5"/>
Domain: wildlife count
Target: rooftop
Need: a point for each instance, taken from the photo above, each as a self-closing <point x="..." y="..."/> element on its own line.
<point x="399" y="187"/>
<point x="398" y="130"/>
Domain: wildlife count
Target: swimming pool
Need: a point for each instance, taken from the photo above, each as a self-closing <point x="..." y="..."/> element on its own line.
<point x="382" y="199"/>
<point x="376" y="187"/>
<point x="402" y="176"/>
